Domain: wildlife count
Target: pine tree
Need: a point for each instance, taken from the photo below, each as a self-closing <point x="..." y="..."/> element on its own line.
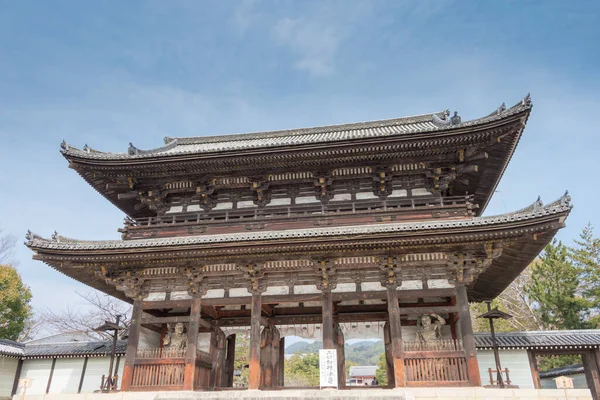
<point x="586" y="256"/>
<point x="554" y="287"/>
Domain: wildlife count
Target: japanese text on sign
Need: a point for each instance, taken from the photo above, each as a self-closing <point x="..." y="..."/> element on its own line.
<point x="328" y="367"/>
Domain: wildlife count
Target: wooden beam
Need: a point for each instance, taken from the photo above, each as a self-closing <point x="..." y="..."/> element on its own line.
<point x="267" y="309"/>
<point x="170" y="320"/>
<point x="300" y="298"/>
<point x="192" y="343"/>
<point x="466" y="328"/>
<point x="254" y="368"/>
<point x="132" y="344"/>
<point x="396" y="345"/>
<point x="153" y="328"/>
<point x="211" y="311"/>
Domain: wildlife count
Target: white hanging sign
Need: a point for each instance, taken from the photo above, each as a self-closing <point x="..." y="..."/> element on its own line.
<point x="328" y="368"/>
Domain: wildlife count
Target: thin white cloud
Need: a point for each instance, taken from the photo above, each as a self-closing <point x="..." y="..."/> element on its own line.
<point x="314" y="43"/>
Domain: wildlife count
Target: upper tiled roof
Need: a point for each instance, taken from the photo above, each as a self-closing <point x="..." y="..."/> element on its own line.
<point x="584" y="338"/>
<point x="63" y="243"/>
<point x="61" y="338"/>
<point x="420" y="124"/>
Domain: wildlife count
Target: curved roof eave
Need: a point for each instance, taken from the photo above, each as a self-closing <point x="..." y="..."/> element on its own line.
<point x="408" y="126"/>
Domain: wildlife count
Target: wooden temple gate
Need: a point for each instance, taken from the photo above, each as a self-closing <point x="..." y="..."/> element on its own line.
<point x="223" y="221"/>
<point x="444" y="362"/>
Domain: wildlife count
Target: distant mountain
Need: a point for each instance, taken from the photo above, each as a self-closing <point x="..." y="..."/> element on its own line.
<point x="365" y="352"/>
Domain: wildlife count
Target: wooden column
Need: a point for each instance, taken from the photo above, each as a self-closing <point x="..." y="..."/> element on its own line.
<point x="132" y="344"/>
<point x="592" y="374"/>
<point x="535" y="373"/>
<point x="51" y="374"/>
<point x="396" y="345"/>
<point x="327" y="318"/>
<point x="255" y="316"/>
<point x="17" y="377"/>
<point x="466" y="329"/>
<point x="229" y="364"/>
<point x="192" y="344"/>
<point x="281" y="380"/>
<point x="217" y="354"/>
<point x="389" y="362"/>
<point x="341" y="356"/>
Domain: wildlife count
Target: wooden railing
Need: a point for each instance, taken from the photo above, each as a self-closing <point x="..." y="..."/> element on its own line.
<point x="435" y="363"/>
<point x="167" y="376"/>
<point x="157" y="368"/>
<point x="373" y="208"/>
<point x="160" y="353"/>
<point x="434" y="345"/>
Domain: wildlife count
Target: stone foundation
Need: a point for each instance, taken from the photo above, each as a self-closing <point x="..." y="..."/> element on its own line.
<point x="330" y="394"/>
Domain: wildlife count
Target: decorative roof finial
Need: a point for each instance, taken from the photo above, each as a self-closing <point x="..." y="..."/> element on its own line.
<point x="167" y="139"/>
<point x="455" y="120"/>
<point x="55" y="236"/>
<point x="64" y="145"/>
<point x="502" y="108"/>
<point x="565" y="200"/>
<point x="538" y="204"/>
<point x="29" y="236"/>
<point x="86" y="148"/>
<point x="132" y="150"/>
<point x="526" y="100"/>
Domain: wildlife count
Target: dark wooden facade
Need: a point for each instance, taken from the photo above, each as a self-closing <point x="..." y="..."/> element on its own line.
<point x="376" y="221"/>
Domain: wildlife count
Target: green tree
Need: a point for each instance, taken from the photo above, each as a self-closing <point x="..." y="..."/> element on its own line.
<point x="514" y="300"/>
<point x="554" y="287"/>
<point x="586" y="256"/>
<point x="242" y="358"/>
<point x="14" y="303"/>
<point x="381" y="372"/>
<point x="302" y="370"/>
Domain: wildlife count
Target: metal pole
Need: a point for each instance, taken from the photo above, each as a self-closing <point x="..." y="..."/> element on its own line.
<point x="112" y="356"/>
<point x="495" y="346"/>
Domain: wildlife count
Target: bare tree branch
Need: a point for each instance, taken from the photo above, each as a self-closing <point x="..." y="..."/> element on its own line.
<point x="97" y="308"/>
<point x="7" y="246"/>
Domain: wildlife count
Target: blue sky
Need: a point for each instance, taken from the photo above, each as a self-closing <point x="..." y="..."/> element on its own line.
<point x="106" y="73"/>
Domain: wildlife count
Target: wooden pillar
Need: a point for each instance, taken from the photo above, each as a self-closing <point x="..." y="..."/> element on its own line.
<point x="341" y="356"/>
<point x="281" y="374"/>
<point x="229" y="364"/>
<point x="327" y="319"/>
<point x="192" y="344"/>
<point x="51" y="374"/>
<point x="389" y="363"/>
<point x="396" y="345"/>
<point x="535" y="373"/>
<point x="255" y="316"/>
<point x="592" y="374"/>
<point x="132" y="344"/>
<point x="15" y="386"/>
<point x="217" y="355"/>
<point x="466" y="328"/>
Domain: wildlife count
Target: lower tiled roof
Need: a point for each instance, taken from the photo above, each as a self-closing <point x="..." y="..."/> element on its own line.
<point x="93" y="348"/>
<point x="562" y="371"/>
<point x="11" y="348"/>
<point x="542" y="340"/>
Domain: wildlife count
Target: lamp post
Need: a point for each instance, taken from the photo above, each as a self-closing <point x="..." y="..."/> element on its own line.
<point x="491" y="315"/>
<point x="110" y="383"/>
